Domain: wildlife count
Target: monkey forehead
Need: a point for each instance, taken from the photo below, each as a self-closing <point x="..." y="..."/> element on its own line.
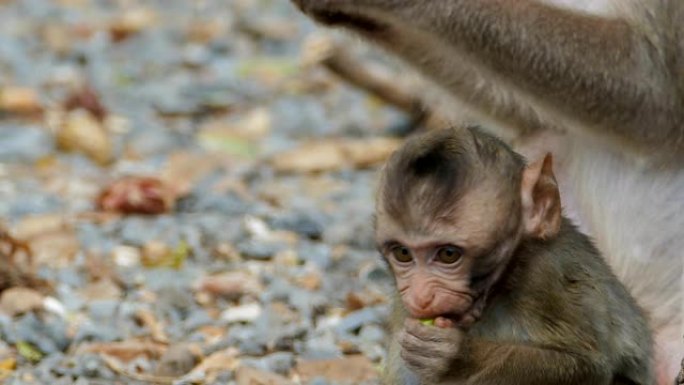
<point x="475" y="221"/>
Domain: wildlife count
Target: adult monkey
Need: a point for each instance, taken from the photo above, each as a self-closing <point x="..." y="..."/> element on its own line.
<point x="599" y="83"/>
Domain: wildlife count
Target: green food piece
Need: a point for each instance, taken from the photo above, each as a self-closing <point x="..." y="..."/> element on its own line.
<point x="428" y="321"/>
<point x="29" y="351"/>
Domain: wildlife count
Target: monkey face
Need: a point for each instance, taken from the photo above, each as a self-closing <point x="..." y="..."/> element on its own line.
<point x="432" y="279"/>
<point x="443" y="267"/>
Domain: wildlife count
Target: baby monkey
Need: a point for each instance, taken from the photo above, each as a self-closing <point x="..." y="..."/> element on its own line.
<point x="476" y="241"/>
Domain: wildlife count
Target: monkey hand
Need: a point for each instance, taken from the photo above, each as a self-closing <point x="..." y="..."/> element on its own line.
<point x="429" y="351"/>
<point x="349" y="13"/>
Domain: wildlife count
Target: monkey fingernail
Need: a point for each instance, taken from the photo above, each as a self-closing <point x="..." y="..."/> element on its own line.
<point x="444" y="322"/>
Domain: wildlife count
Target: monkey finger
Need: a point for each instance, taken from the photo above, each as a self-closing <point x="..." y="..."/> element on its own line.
<point x="417" y="347"/>
<point x="427" y="368"/>
<point x="444" y="323"/>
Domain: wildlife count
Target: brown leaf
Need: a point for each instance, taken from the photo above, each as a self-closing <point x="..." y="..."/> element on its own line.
<point x="158" y="254"/>
<point x="82" y="132"/>
<point x="250" y="376"/>
<point x="33" y="226"/>
<point x="331" y="155"/>
<point x="87" y="99"/>
<point x="204" y="31"/>
<point x="124" y="350"/>
<point x="350" y="370"/>
<point x="355" y="302"/>
<point x="56" y="249"/>
<point x="184" y="169"/>
<point x="310" y="281"/>
<point x="217" y="362"/>
<point x="102" y="289"/>
<point x="137" y="195"/>
<point x="20" y="100"/>
<point x="19" y="300"/>
<point x="131" y="22"/>
<point x="231" y="285"/>
<point x="148" y="319"/>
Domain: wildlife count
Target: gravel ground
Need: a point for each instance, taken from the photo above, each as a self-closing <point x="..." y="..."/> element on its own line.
<point x="197" y="202"/>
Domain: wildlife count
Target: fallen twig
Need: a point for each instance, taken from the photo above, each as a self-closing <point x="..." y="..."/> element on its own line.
<point x="327" y="53"/>
<point x="116" y="367"/>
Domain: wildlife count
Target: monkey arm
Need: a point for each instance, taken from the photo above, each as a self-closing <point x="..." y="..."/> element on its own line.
<point x="600" y="73"/>
<point x="485" y="362"/>
<point x="448" y="356"/>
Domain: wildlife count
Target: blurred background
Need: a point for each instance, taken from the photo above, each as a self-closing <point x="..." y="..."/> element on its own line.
<point x="186" y="192"/>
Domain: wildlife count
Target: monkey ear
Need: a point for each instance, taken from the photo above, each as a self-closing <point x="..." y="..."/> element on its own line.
<point x="541" y="208"/>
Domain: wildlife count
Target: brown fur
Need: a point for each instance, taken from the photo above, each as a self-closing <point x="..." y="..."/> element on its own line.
<point x="600" y="83"/>
<point x="554" y="313"/>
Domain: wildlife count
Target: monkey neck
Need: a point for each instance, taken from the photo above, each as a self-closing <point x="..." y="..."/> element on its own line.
<point x="534" y="259"/>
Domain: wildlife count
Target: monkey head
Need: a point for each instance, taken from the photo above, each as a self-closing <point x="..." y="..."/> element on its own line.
<point x="452" y="207"/>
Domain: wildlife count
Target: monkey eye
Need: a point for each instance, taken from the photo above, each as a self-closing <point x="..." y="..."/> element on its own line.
<point x="402" y="254"/>
<point x="449" y="254"/>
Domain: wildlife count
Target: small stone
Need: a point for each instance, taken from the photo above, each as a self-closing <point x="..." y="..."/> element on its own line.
<point x="279" y="362"/>
<point x="53" y="305"/>
<point x="178" y="360"/>
<point x="372" y="333"/>
<point x="354" y="320"/>
<point x="259" y="250"/>
<point x="126" y="256"/>
<point x="305" y="225"/>
<point x="243" y="313"/>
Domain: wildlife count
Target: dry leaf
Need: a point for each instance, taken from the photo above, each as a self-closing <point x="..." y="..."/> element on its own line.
<point x="310" y="281"/>
<point x="250" y="376"/>
<point x="351" y="370"/>
<point x="19" y="100"/>
<point x="255" y="124"/>
<point x="28" y="351"/>
<point x="137" y="195"/>
<point x="148" y="319"/>
<point x="124" y="350"/>
<point x="331" y="155"/>
<point x="87" y="99"/>
<point x="55" y="249"/>
<point x="184" y="169"/>
<point x="82" y="132"/>
<point x="36" y="225"/>
<point x="19" y="300"/>
<point x="131" y="22"/>
<point x="7" y="365"/>
<point x="230" y="285"/>
<point x="217" y="362"/>
<point x="157" y="254"/>
<point x="204" y="31"/>
<point x="102" y="289"/>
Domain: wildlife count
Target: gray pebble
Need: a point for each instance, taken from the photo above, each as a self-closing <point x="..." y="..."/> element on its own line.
<point x="25" y="144"/>
<point x="355" y="320"/>
<point x="103" y="309"/>
<point x="259" y="250"/>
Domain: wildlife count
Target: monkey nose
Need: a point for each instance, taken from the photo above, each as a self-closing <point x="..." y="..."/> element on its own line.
<point x="424" y="301"/>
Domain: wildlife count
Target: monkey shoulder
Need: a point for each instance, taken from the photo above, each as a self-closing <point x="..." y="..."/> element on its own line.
<point x="561" y="292"/>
